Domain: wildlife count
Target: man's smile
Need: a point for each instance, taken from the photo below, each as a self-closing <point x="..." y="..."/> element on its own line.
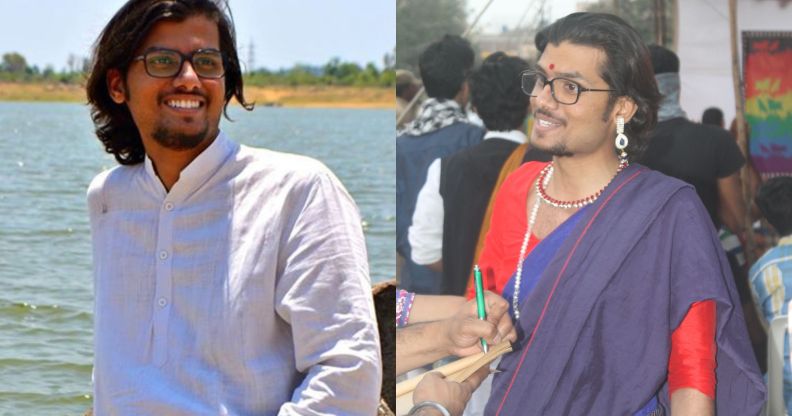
<point x="188" y="104"/>
<point x="184" y="103"/>
<point x="545" y="122"/>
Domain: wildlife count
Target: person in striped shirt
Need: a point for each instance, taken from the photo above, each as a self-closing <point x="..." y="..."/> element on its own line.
<point x="771" y="275"/>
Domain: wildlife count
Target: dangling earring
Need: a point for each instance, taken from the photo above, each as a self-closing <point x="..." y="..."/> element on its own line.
<point x="621" y="141"/>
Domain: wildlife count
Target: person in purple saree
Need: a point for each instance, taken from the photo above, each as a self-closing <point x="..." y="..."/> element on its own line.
<point x="624" y="254"/>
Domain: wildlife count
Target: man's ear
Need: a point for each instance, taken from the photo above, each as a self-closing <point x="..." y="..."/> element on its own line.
<point x="625" y="107"/>
<point x="463" y="96"/>
<point x="116" y="86"/>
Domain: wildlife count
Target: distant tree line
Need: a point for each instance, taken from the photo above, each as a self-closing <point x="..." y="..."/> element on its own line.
<point x="653" y="19"/>
<point x="14" y="68"/>
<point x="335" y="72"/>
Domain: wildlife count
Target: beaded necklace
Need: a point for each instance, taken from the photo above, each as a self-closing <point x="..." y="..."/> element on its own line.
<point x="544" y="179"/>
<point x="541" y="184"/>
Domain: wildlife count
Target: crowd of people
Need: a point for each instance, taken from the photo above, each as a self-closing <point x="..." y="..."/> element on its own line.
<point x="592" y="205"/>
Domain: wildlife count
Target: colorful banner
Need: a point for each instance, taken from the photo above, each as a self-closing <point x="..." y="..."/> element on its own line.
<point x="767" y="65"/>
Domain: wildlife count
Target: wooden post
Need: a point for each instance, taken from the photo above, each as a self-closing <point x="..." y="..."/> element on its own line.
<point x="742" y="142"/>
<point x="658" y="35"/>
<point x="675" y="27"/>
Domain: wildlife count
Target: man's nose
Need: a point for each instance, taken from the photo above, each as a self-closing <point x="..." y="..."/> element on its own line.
<point x="545" y="98"/>
<point x="187" y="78"/>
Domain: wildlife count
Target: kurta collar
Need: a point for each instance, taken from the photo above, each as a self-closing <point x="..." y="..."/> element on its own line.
<point x="198" y="171"/>
<point x="512" y="135"/>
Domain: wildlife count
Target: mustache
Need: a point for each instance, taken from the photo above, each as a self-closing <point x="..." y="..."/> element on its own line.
<point x="547" y="113"/>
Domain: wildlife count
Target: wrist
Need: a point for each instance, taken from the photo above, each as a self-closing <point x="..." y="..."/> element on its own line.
<point x="446" y="346"/>
<point x="429" y="408"/>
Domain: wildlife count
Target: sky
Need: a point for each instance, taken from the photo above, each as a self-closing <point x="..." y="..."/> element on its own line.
<point x="509" y="12"/>
<point x="283" y="32"/>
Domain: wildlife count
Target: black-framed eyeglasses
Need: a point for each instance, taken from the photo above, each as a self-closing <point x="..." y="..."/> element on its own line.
<point x="568" y="92"/>
<point x="167" y="63"/>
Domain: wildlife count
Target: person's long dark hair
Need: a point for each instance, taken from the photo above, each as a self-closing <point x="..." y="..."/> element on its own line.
<point x="114" y="49"/>
<point x="627" y="67"/>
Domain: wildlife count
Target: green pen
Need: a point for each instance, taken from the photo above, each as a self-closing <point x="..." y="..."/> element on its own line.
<point x="481" y="306"/>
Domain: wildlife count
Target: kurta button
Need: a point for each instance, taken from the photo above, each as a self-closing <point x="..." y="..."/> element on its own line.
<point x="169" y="206"/>
<point x="163" y="255"/>
<point x="162" y="302"/>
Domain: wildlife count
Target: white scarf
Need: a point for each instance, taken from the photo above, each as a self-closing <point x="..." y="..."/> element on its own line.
<point x="434" y="114"/>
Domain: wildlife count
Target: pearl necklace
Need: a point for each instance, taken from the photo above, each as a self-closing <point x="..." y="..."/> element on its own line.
<point x="523" y="247"/>
<point x="541" y="183"/>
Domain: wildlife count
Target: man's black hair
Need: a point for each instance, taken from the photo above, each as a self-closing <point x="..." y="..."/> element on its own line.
<point x="445" y="65"/>
<point x="626" y="67"/>
<point x="774" y="199"/>
<point x="115" y="49"/>
<point x="405" y="82"/>
<point x="401" y="89"/>
<point x="495" y="92"/>
<point x="712" y="115"/>
<point x="663" y="59"/>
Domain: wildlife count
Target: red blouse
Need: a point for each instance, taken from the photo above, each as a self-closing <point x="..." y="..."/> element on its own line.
<point x="692" y="359"/>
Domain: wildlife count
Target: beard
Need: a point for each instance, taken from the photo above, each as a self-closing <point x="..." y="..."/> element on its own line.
<point x="559" y="150"/>
<point x="176" y="140"/>
<point x="556" y="149"/>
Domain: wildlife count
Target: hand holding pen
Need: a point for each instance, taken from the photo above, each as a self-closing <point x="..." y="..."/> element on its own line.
<point x="465" y="330"/>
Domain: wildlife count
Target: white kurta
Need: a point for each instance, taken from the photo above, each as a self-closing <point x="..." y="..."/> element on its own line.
<point x="242" y="291"/>
<point x="426" y="232"/>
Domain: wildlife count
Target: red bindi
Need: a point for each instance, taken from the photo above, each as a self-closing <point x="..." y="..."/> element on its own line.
<point x="551" y="66"/>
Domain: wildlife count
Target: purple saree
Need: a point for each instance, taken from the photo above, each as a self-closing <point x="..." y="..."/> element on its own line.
<point x="595" y="330"/>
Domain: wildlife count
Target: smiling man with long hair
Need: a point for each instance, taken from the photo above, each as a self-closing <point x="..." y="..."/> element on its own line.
<point x="228" y="280"/>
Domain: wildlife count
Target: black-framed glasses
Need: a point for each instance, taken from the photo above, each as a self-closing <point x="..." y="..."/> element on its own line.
<point x="167" y="63"/>
<point x="568" y="91"/>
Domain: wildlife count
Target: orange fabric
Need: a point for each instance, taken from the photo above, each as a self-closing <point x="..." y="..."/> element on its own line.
<point x="498" y="259"/>
<point x="512" y="163"/>
<point x="693" y="348"/>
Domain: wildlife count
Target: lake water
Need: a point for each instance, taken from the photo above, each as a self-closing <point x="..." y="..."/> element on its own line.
<point x="48" y="155"/>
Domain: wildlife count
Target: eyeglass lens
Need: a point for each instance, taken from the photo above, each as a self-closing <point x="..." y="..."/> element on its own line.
<point x="564" y="91"/>
<point x="166" y="63"/>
